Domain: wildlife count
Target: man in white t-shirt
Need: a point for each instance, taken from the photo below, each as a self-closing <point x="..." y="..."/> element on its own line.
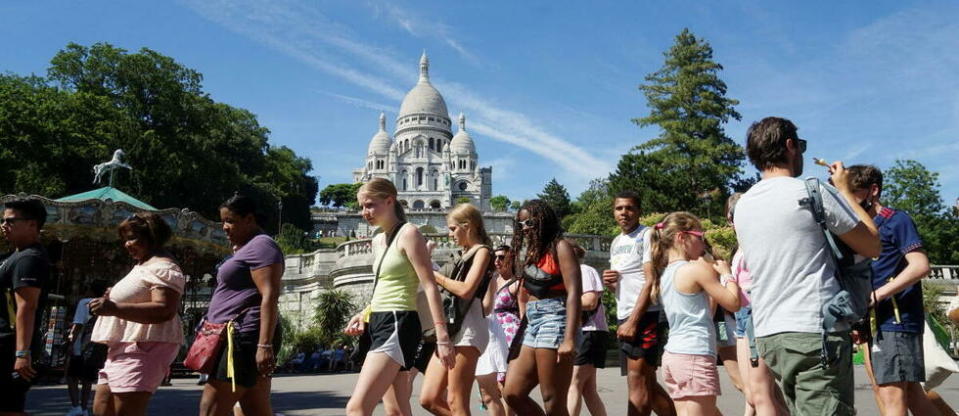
<point x="641" y="331"/>
<point x="793" y="273"/>
<point x="81" y="374"/>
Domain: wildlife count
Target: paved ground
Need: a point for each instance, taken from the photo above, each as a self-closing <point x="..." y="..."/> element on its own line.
<point x="327" y="395"/>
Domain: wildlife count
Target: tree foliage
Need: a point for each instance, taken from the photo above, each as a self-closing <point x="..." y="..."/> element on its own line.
<point x="593" y="211"/>
<point x="499" y="203"/>
<point x="340" y="194"/>
<point x="692" y="156"/>
<point x="910" y="187"/>
<point x="557" y="197"/>
<point x="333" y="310"/>
<point x="186" y="149"/>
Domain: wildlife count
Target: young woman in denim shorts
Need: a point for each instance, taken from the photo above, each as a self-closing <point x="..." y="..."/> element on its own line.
<point x="551" y="277"/>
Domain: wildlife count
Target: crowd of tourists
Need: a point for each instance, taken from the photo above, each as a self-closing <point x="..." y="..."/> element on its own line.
<point x="819" y="268"/>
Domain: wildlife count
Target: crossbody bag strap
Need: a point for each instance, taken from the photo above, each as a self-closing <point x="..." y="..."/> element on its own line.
<point x="390" y="238"/>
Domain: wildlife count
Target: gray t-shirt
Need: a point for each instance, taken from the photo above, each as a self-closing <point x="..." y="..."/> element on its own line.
<point x="787" y="254"/>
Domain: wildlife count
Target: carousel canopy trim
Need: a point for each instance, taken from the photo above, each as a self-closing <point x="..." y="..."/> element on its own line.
<point x="108" y="193"/>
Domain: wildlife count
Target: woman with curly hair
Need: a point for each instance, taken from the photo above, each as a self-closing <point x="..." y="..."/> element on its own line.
<point x="551" y="277"/>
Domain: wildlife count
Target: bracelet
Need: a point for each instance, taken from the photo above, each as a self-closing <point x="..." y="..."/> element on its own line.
<point x="442" y="343"/>
<point x="22" y="354"/>
<point x="438" y="323"/>
<point x="726" y="278"/>
<point x="267" y="346"/>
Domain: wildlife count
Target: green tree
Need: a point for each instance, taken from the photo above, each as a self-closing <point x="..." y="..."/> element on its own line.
<point x="187" y="150"/>
<point x="515" y="205"/>
<point x="692" y="156"/>
<point x="293" y="240"/>
<point x="499" y="203"/>
<point x="339" y="194"/>
<point x="910" y="187"/>
<point x="593" y="211"/>
<point x="557" y="197"/>
<point x="333" y="310"/>
<point x="463" y="200"/>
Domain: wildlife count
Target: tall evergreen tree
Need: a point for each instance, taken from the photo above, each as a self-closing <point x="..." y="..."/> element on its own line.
<point x="692" y="160"/>
<point x="557" y="197"/>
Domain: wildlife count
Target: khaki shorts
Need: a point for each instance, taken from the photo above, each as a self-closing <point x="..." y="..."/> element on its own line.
<point x="809" y="388"/>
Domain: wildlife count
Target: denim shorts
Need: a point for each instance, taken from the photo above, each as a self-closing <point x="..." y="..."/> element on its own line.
<point x="546" y="323"/>
<point x="744" y="320"/>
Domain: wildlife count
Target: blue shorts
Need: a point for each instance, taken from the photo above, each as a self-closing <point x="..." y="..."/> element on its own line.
<point x="744" y="320"/>
<point x="546" y="323"/>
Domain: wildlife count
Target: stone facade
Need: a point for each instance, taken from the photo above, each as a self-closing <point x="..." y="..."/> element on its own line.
<point x="431" y="168"/>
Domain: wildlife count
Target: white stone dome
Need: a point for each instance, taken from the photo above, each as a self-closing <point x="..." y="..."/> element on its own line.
<point x="423" y="98"/>
<point x="380" y="143"/>
<point x="462" y="143"/>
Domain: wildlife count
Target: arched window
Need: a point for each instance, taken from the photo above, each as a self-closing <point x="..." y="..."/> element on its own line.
<point x="419" y="177"/>
<point x="405" y="175"/>
<point x="439" y="145"/>
<point x="431" y="143"/>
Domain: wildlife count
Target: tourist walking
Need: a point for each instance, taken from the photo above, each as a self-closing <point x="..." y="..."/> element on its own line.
<point x="895" y="354"/>
<point x="137" y="320"/>
<point x="246" y="299"/>
<point x="793" y="274"/>
<point x="86" y="358"/>
<point x="688" y="286"/>
<point x="641" y="330"/>
<point x="24" y="273"/>
<point x="592" y="346"/>
<point x="763" y="396"/>
<point x="491" y="367"/>
<point x="446" y="391"/>
<point x="550" y="273"/>
<point x="401" y="263"/>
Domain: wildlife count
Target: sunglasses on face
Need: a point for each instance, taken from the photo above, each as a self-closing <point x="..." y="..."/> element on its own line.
<point x="500" y="257"/>
<point x="802" y="145"/>
<point x="12" y="220"/>
<point x="694" y="232"/>
<point x="527" y="223"/>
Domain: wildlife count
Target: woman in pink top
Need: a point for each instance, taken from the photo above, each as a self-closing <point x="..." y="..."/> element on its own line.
<point x="138" y="320"/>
<point x="763" y="396"/>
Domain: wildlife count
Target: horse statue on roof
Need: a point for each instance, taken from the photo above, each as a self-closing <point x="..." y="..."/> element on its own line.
<point x="110" y="167"/>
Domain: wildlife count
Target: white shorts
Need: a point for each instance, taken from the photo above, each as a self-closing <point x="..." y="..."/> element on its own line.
<point x="475" y="330"/>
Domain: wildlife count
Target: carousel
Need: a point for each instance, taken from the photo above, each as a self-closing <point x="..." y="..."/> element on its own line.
<point x="82" y="240"/>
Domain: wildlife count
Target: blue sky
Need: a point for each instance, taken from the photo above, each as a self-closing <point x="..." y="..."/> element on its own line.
<point x="548" y="88"/>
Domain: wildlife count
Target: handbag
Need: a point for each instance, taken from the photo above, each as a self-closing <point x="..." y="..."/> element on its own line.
<point x="206" y="347"/>
<point x="365" y="343"/>
<point x="453" y="307"/>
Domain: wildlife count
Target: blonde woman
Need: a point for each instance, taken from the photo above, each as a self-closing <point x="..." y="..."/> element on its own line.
<point x="447" y="391"/>
<point x="403" y="262"/>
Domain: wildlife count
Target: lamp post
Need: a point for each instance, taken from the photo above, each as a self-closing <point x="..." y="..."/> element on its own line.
<point x="279" y="216"/>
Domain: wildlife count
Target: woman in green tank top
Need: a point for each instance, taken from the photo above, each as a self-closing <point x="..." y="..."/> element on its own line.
<point x="403" y="263"/>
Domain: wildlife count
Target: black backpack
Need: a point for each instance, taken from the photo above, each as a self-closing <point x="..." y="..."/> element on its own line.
<point x="851" y="304"/>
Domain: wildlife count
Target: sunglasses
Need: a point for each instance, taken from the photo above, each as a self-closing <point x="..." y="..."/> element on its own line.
<point x="12" y="220"/>
<point x="500" y="257"/>
<point x="802" y="145"/>
<point x="527" y="223"/>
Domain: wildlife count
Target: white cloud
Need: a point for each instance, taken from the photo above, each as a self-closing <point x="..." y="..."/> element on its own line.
<point x="422" y="27"/>
<point x="359" y="102"/>
<point x="309" y="36"/>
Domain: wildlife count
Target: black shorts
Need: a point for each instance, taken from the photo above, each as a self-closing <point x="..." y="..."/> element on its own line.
<point x="423" y="355"/>
<point x="592" y="349"/>
<point x="648" y="342"/>
<point x="396" y="334"/>
<point x="80" y="369"/>
<point x="13" y="389"/>
<point x="244" y="357"/>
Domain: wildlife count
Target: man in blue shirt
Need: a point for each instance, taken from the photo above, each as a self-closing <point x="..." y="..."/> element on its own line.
<point x="895" y="353"/>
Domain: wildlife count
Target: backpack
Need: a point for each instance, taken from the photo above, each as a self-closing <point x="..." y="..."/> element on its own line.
<point x="851" y="304"/>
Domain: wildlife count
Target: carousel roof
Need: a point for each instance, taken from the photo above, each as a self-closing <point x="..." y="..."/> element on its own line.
<point x="107" y="193"/>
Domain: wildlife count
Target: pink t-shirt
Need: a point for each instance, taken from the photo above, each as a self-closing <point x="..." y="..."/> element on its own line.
<point x="743" y="277"/>
<point x="135" y="287"/>
<point x="593" y="283"/>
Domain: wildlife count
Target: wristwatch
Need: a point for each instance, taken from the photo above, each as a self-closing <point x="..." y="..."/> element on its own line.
<point x="22" y="354"/>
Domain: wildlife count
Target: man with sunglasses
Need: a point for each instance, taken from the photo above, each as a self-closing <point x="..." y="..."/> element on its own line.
<point x="793" y="273"/>
<point x="23" y="275"/>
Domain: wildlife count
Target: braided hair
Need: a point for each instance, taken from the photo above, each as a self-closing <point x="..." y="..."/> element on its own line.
<point x="546" y="231"/>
